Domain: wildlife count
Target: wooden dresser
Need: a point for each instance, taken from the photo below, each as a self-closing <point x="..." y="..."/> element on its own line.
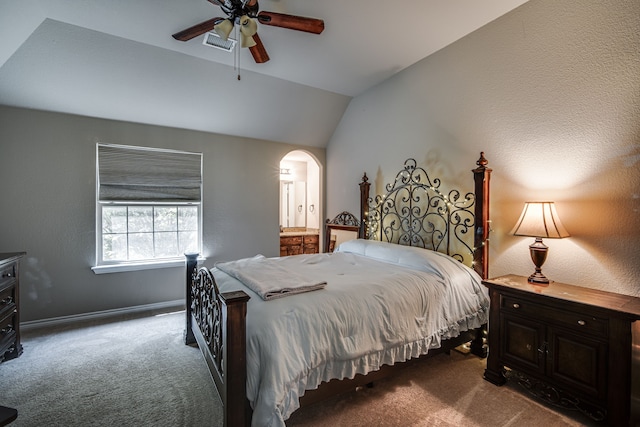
<point x="10" y="346"/>
<point x="569" y="345"/>
<point x="296" y="244"/>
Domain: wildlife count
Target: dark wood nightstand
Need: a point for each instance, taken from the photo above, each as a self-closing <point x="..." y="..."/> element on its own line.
<point x="569" y="345"/>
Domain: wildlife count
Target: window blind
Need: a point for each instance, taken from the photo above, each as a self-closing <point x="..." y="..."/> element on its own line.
<point x="140" y="174"/>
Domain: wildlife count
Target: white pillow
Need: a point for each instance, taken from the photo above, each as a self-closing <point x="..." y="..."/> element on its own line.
<point x="407" y="256"/>
<point x="389" y="252"/>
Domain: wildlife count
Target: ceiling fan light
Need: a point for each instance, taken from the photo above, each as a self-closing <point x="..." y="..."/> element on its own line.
<point x="248" y="26"/>
<point x="246" y="41"/>
<point x="223" y="28"/>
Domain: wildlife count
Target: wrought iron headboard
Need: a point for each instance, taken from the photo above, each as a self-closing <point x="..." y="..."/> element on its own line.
<point x="414" y="211"/>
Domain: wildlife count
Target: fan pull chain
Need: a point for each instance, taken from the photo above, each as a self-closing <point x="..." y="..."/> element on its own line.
<point x="237" y="52"/>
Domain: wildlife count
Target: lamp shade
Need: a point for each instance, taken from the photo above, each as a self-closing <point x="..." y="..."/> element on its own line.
<point x="540" y="219"/>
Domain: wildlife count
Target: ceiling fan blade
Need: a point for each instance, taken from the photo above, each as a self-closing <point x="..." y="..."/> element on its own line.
<point x="196" y="30"/>
<point x="258" y="51"/>
<point x="292" y="22"/>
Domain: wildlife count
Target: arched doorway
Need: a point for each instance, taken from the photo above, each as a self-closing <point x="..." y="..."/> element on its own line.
<point x="300" y="195"/>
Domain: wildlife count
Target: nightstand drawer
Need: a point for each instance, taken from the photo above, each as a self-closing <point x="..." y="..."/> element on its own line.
<point x="575" y="321"/>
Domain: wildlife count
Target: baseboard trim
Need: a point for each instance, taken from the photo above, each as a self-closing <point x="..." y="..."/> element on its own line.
<point x="99" y="315"/>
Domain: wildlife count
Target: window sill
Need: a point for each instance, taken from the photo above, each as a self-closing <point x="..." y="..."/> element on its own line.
<point x="137" y="266"/>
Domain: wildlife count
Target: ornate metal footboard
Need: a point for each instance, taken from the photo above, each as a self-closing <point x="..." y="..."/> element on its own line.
<point x="216" y="321"/>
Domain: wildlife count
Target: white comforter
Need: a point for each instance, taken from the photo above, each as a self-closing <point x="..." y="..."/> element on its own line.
<point x="382" y="304"/>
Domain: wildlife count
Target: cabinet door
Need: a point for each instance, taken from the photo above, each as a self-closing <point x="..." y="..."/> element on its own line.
<point x="579" y="361"/>
<point x="310" y="244"/>
<point x="290" y="245"/>
<point x="522" y="343"/>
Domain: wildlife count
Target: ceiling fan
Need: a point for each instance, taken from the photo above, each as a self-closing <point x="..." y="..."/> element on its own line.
<point x="245" y="13"/>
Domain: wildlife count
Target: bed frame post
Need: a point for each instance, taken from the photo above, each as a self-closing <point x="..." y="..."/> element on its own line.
<point x="481" y="175"/>
<point x="364" y="204"/>
<point x="191" y="263"/>
<point x="237" y="411"/>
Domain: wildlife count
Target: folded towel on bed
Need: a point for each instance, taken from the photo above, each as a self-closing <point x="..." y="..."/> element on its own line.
<point x="267" y="278"/>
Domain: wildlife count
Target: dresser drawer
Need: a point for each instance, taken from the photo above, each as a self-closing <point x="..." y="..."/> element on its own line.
<point x="568" y="319"/>
<point x="7" y="334"/>
<point x="7" y="301"/>
<point x="311" y="239"/>
<point x="291" y="241"/>
<point x="7" y="275"/>
<point x="7" y="324"/>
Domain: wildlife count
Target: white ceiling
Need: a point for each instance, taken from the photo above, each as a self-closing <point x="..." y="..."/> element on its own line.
<point x="116" y="59"/>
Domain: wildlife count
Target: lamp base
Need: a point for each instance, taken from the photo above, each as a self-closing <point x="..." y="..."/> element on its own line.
<point x="538" y="278"/>
<point x="538" y="251"/>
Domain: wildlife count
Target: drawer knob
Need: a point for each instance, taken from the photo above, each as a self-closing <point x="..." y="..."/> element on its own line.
<point x="516" y="305"/>
<point x="6" y="275"/>
<point x="581" y="322"/>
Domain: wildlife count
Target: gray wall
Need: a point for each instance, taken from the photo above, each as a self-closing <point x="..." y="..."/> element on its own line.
<point x="551" y="93"/>
<point x="47" y="182"/>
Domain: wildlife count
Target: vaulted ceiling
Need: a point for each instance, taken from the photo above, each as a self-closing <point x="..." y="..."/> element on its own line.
<point x="117" y="60"/>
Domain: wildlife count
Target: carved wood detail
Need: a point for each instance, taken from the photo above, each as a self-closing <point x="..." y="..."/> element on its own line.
<point x="556" y="396"/>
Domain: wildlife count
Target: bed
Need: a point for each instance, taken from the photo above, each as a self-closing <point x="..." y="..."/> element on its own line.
<point x="343" y="319"/>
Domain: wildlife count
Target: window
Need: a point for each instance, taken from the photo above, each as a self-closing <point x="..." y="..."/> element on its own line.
<point x="148" y="206"/>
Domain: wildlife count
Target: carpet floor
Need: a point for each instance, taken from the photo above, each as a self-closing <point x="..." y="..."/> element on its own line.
<point x="445" y="391"/>
<point x="138" y="372"/>
<point x="133" y="372"/>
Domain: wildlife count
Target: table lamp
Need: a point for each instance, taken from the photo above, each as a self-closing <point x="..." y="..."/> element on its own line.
<point x="539" y="220"/>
